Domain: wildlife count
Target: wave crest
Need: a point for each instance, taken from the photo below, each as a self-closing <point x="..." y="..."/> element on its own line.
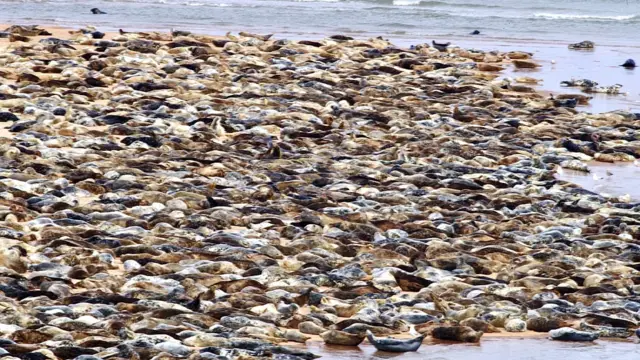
<point x="583" y="17"/>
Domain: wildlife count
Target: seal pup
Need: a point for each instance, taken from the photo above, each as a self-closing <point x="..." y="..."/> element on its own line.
<point x="96" y="11"/>
<point x="629" y="64"/>
<point x="395" y="345"/>
<point x="442" y="47"/>
<point x="475" y="32"/>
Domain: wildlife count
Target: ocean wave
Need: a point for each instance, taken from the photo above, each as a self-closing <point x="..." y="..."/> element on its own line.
<point x="398" y="25"/>
<point x="208" y="4"/>
<point x="584" y="17"/>
<point x="406" y="2"/>
<point x="436" y="3"/>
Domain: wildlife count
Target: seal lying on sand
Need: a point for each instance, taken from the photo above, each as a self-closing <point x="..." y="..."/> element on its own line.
<point x="442" y="47"/>
<point x="569" y="334"/>
<point x="96" y="11"/>
<point x="395" y="345"/>
<point x="456" y="333"/>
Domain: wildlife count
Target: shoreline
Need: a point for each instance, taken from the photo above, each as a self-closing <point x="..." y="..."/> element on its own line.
<point x="264" y="180"/>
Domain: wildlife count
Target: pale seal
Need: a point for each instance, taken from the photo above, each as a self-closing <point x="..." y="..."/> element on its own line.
<point x="395" y="345"/>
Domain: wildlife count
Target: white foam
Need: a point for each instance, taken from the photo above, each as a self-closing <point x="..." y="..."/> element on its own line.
<point x="583" y="17"/>
<point x="406" y="2"/>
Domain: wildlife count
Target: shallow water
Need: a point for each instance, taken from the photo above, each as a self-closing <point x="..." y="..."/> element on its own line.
<point x="604" y="21"/>
<point x="492" y="349"/>
<point x="558" y="63"/>
<point x="623" y="181"/>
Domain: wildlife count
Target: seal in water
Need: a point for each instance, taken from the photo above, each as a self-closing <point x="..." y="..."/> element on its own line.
<point x="629" y="64"/>
<point x="395" y="345"/>
<point x="96" y="11"/>
<point x="475" y="32"/>
<point x="442" y="47"/>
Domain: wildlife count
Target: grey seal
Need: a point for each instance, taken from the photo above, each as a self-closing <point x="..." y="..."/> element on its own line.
<point x="395" y="345"/>
<point x="569" y="334"/>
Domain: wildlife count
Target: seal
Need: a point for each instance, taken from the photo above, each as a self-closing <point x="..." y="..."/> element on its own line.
<point x="395" y="345"/>
<point x="475" y="32"/>
<point x="569" y="334"/>
<point x="543" y="324"/>
<point x="629" y="64"/>
<point x="583" y="45"/>
<point x="456" y="333"/>
<point x="442" y="47"/>
<point x="335" y="337"/>
<point x="96" y="11"/>
<point x="606" y="331"/>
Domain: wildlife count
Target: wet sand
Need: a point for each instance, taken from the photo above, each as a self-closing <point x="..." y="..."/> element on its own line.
<point x="623" y="181"/>
<point x="492" y="349"/>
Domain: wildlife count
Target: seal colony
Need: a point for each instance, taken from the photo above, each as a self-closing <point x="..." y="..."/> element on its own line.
<point x="208" y="197"/>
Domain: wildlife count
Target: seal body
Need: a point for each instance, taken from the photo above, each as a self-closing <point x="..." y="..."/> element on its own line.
<point x="395" y="345"/>
<point x="583" y="45"/>
<point x="456" y="333"/>
<point x="96" y="11"/>
<point x="569" y="334"/>
<point x="442" y="47"/>
<point x="335" y="337"/>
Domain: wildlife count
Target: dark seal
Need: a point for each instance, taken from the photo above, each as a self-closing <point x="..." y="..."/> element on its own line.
<point x="96" y="11"/>
<point x="629" y="64"/>
<point x="442" y="47"/>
